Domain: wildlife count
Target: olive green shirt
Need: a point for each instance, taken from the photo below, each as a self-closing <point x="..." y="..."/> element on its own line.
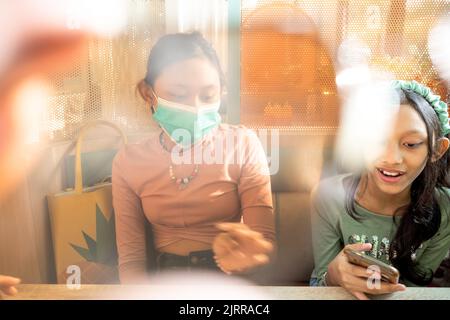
<point x="333" y="228"/>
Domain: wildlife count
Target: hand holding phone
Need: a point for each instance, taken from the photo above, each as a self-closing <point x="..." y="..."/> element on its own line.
<point x="351" y="273"/>
<point x="388" y="273"/>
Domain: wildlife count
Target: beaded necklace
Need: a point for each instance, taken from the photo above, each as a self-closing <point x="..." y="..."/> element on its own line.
<point x="182" y="182"/>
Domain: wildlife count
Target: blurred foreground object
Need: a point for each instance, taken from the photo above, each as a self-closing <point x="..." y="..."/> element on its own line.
<point x="7" y="285"/>
<point x="196" y="285"/>
<point x="38" y="38"/>
<point x="439" y="47"/>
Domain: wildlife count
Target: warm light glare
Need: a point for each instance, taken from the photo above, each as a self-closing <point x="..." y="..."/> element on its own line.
<point x="439" y="47"/>
<point x="31" y="103"/>
<point x="368" y="114"/>
<point x="353" y="76"/>
<point x="104" y="17"/>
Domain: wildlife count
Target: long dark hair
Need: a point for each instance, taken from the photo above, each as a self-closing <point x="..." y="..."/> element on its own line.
<point x="176" y="47"/>
<point x="421" y="218"/>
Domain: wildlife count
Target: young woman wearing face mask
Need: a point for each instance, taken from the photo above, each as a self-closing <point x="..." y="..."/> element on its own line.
<point x="213" y="215"/>
<point x="397" y="210"/>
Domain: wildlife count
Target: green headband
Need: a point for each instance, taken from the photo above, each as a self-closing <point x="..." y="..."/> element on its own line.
<point x="440" y="107"/>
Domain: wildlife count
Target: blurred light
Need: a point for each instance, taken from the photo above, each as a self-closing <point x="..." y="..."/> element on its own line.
<point x="353" y="76"/>
<point x="103" y="17"/>
<point x="373" y="17"/>
<point x="8" y="34"/>
<point x="439" y="47"/>
<point x="353" y="58"/>
<point x="20" y="150"/>
<point x="31" y="102"/>
<point x="368" y="115"/>
<point x="249" y="4"/>
<point x="23" y="19"/>
<point x="196" y="285"/>
<point x="352" y="53"/>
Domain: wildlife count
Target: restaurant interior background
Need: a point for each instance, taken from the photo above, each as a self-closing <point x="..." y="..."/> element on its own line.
<point x="282" y="60"/>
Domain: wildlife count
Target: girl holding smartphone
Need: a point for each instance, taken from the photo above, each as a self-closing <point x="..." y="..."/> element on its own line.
<point x="397" y="210"/>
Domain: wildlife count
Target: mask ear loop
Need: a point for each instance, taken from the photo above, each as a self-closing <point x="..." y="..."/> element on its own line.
<point x="153" y="102"/>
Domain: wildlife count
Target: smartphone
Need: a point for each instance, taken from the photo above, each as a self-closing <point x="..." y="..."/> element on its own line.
<point x="388" y="273"/>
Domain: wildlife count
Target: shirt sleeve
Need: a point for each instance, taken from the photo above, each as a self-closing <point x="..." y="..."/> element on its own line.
<point x="326" y="238"/>
<point x="130" y="226"/>
<point x="254" y="188"/>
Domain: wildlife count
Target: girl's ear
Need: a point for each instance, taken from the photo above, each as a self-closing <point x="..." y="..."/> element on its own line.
<point x="147" y="93"/>
<point x="441" y="149"/>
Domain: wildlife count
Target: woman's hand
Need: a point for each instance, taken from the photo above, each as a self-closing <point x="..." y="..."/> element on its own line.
<point x="239" y="249"/>
<point x="7" y="285"/>
<point x="355" y="278"/>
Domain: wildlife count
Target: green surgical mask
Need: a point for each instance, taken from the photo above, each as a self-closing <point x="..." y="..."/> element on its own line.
<point x="186" y="124"/>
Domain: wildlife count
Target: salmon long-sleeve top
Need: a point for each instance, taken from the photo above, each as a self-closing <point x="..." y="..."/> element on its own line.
<point x="232" y="185"/>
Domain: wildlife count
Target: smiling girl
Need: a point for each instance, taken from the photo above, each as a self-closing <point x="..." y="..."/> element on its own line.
<point x="397" y="210"/>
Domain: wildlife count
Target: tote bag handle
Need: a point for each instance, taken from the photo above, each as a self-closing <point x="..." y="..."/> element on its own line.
<point x="84" y="129"/>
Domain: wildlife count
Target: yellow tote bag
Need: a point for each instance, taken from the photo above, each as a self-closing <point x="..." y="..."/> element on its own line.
<point x="82" y="225"/>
